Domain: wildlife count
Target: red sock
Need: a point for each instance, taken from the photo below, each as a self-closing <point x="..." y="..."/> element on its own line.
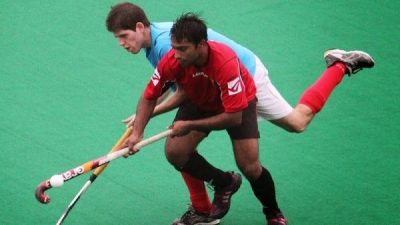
<point x="198" y="193"/>
<point x="317" y="94"/>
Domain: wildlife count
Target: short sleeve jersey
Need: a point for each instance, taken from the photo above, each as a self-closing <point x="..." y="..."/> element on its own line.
<point x="222" y="85"/>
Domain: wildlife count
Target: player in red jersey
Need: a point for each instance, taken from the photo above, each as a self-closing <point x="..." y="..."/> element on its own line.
<point x="220" y="94"/>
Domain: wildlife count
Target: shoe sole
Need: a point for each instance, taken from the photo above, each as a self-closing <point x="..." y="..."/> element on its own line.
<point x="215" y="222"/>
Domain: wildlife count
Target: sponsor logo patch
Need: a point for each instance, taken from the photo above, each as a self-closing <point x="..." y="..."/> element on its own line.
<point x="155" y="78"/>
<point x="234" y="86"/>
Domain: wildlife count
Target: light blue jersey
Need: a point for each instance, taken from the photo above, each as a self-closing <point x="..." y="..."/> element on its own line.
<point x="161" y="44"/>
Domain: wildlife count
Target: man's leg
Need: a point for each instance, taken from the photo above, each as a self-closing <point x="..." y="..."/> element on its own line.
<point x="199" y="210"/>
<point x="339" y="63"/>
<point x="245" y="146"/>
<point x="313" y="99"/>
<point x="181" y="153"/>
<point x="197" y="193"/>
<point x="262" y="184"/>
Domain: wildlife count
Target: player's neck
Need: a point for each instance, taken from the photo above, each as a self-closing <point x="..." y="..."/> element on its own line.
<point x="203" y="56"/>
<point x="147" y="38"/>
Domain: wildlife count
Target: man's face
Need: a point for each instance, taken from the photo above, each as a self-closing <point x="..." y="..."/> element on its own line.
<point x="186" y="52"/>
<point x="130" y="40"/>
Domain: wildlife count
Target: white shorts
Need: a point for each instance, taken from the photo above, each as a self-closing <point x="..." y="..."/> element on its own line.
<point x="271" y="105"/>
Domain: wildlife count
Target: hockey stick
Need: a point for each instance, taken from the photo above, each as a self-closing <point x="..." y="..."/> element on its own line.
<point x="93" y="177"/>
<point x="88" y="166"/>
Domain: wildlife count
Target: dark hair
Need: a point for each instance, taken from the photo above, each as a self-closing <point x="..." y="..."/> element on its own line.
<point x="190" y="27"/>
<point x="124" y="16"/>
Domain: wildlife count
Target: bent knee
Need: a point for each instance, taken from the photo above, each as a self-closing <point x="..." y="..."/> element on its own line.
<point x="178" y="156"/>
<point x="290" y="125"/>
<point x="297" y="121"/>
<point x="296" y="128"/>
<point x="251" y="172"/>
<point x="173" y="156"/>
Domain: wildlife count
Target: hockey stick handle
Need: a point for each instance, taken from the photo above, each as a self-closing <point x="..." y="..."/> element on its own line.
<point x="92" y="164"/>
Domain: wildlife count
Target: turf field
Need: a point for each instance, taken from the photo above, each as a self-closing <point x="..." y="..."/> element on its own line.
<point x="66" y="84"/>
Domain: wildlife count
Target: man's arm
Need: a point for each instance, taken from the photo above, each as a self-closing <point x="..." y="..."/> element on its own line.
<point x="171" y="103"/>
<point x="217" y="122"/>
<point x="167" y="105"/>
<point x="143" y="114"/>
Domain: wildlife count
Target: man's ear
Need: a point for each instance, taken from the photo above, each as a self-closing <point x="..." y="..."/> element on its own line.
<point x="202" y="43"/>
<point x="139" y="26"/>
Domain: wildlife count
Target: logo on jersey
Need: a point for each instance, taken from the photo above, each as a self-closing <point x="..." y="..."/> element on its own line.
<point x="235" y="86"/>
<point x="155" y="78"/>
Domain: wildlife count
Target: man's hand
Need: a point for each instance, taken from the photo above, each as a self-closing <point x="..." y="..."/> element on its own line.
<point x="130" y="120"/>
<point x="180" y="128"/>
<point x="130" y="143"/>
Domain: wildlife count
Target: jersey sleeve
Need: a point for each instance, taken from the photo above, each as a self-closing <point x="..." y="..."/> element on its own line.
<point x="233" y="93"/>
<point x="160" y="80"/>
<point x="154" y="87"/>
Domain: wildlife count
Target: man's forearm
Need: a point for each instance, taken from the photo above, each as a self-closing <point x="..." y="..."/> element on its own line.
<point x="169" y="104"/>
<point x="143" y="114"/>
<point x="217" y="122"/>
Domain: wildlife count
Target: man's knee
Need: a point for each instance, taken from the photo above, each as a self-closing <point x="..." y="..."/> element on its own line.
<point x="291" y="124"/>
<point x="174" y="155"/>
<point x="296" y="128"/>
<point x="251" y="170"/>
<point x="179" y="152"/>
<point x="179" y="149"/>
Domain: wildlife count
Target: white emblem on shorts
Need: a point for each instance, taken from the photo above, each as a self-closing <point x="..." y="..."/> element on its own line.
<point x="234" y="86"/>
<point x="155" y="78"/>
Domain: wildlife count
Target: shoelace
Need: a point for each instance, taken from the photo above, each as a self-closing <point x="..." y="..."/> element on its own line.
<point x="222" y="196"/>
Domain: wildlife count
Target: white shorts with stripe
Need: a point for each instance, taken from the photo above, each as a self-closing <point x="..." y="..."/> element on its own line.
<point x="271" y="105"/>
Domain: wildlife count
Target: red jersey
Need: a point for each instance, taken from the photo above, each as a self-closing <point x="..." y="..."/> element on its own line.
<point x="222" y="85"/>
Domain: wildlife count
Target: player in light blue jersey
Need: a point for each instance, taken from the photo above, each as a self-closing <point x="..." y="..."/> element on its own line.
<point x="129" y="24"/>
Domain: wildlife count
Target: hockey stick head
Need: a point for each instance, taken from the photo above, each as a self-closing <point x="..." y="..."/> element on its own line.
<point x="39" y="193"/>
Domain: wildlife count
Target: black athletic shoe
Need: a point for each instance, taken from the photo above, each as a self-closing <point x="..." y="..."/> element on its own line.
<point x="222" y="196"/>
<point x="191" y="217"/>
<point x="354" y="60"/>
